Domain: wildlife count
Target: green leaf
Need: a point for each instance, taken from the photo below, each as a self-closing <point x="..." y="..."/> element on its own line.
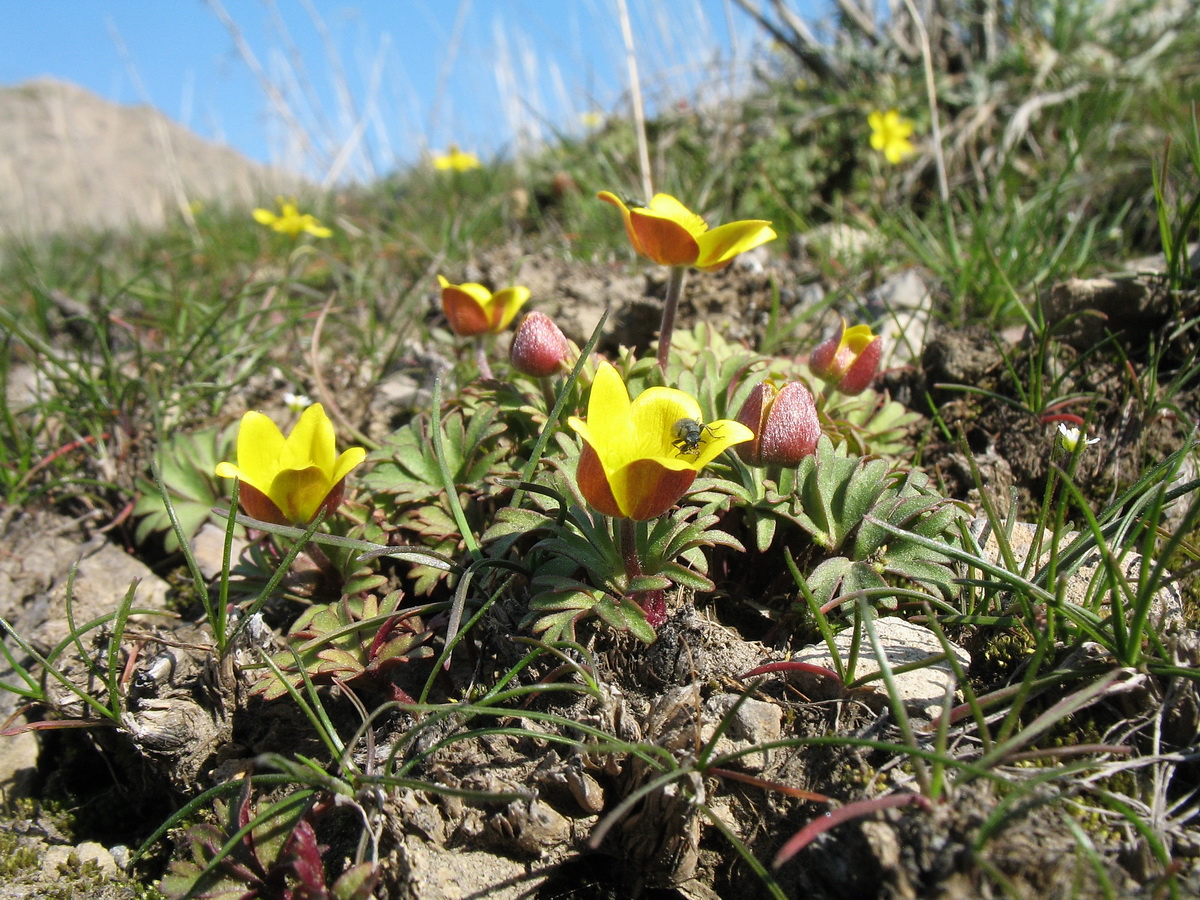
<point x="825" y="581"/>
<point x="510" y="520"/>
<point x="764" y="531"/>
<point x="625" y="614"/>
<point x="685" y="576"/>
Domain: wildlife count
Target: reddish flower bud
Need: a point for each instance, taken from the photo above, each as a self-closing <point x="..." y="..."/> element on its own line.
<point x="849" y="359"/>
<point x="539" y="347"/>
<point x="784" y="422"/>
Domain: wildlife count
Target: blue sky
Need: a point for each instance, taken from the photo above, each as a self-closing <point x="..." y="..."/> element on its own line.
<point x="354" y="89"/>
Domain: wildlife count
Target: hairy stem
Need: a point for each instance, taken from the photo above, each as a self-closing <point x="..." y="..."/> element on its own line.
<point x="670" y="307"/>
<point x="627" y="533"/>
<point x="481" y="360"/>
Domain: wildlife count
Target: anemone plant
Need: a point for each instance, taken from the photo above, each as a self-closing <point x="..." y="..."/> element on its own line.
<point x="354" y="641"/>
<point x="856" y="510"/>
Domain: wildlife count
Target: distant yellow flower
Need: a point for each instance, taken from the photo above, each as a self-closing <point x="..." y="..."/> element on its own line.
<point x="286" y="480"/>
<point x="640" y="457"/>
<point x="591" y="119"/>
<point x="890" y="133"/>
<point x="472" y="309"/>
<point x="290" y="221"/>
<point x="669" y="233"/>
<point x="456" y="160"/>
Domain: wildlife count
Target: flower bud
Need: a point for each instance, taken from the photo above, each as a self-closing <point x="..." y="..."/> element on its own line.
<point x="784" y="422"/>
<point x="539" y="347"/>
<point x="849" y="359"/>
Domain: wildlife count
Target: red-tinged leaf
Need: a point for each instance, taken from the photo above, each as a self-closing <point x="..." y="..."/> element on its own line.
<point x="836" y="817"/>
<point x="306" y="859"/>
<point x="381" y="636"/>
<point x="54" y="725"/>
<point x="798" y="793"/>
<point x="791" y="666"/>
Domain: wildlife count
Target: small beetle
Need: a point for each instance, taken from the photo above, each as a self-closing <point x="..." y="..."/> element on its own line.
<point x="688" y="434"/>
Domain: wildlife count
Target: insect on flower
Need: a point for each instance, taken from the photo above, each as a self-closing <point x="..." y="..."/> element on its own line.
<point x="688" y="435"/>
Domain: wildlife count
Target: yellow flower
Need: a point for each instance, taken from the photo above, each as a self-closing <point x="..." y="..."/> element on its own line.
<point x="455" y="160"/>
<point x="286" y="480"/>
<point x="639" y="458"/>
<point x="591" y="119"/>
<point x="669" y="233"/>
<point x="472" y="309"/>
<point x="290" y="221"/>
<point x="890" y="134"/>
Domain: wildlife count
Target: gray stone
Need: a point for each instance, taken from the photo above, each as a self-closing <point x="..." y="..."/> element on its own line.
<point x="69" y="858"/>
<point x="755" y="722"/>
<point x="18" y="763"/>
<point x="922" y="689"/>
<point x="901" y="307"/>
<point x="104" y="573"/>
<point x="208" y="546"/>
<point x="460" y="873"/>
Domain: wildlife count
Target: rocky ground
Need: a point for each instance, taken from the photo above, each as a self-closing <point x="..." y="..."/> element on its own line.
<point x="190" y="724"/>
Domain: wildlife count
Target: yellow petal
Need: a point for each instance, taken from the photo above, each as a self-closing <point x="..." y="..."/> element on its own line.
<point x="477" y="292"/>
<point x="856" y="338"/>
<point x="724" y="434"/>
<point x="311" y="443"/>
<point x="466" y="307"/>
<point x="315" y="228"/>
<point x="655" y="413"/>
<point x="259" y="444"/>
<point x="228" y="470"/>
<point x="647" y="488"/>
<point x="613" y="199"/>
<point x="609" y="426"/>
<point x="264" y="216"/>
<point x="504" y="306"/>
<point x="669" y="207"/>
<point x="350" y="459"/>
<point x="719" y="246"/>
<point x="299" y="492"/>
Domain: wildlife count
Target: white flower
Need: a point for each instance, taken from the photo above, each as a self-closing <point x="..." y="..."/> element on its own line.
<point x="1070" y="437"/>
<point x="296" y="403"/>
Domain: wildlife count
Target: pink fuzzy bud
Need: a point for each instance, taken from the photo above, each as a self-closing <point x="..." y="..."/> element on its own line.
<point x="539" y="347"/>
<point x="784" y="422"/>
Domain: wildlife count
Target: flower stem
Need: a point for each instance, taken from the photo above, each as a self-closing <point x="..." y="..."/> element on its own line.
<point x="627" y="533"/>
<point x="670" y="307"/>
<point x="481" y="360"/>
<point x="547" y="385"/>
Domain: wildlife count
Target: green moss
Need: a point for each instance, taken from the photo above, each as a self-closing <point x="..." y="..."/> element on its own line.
<point x="16" y="860"/>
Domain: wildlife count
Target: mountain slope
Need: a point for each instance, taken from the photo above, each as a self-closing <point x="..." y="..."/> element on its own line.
<point x="70" y="159"/>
